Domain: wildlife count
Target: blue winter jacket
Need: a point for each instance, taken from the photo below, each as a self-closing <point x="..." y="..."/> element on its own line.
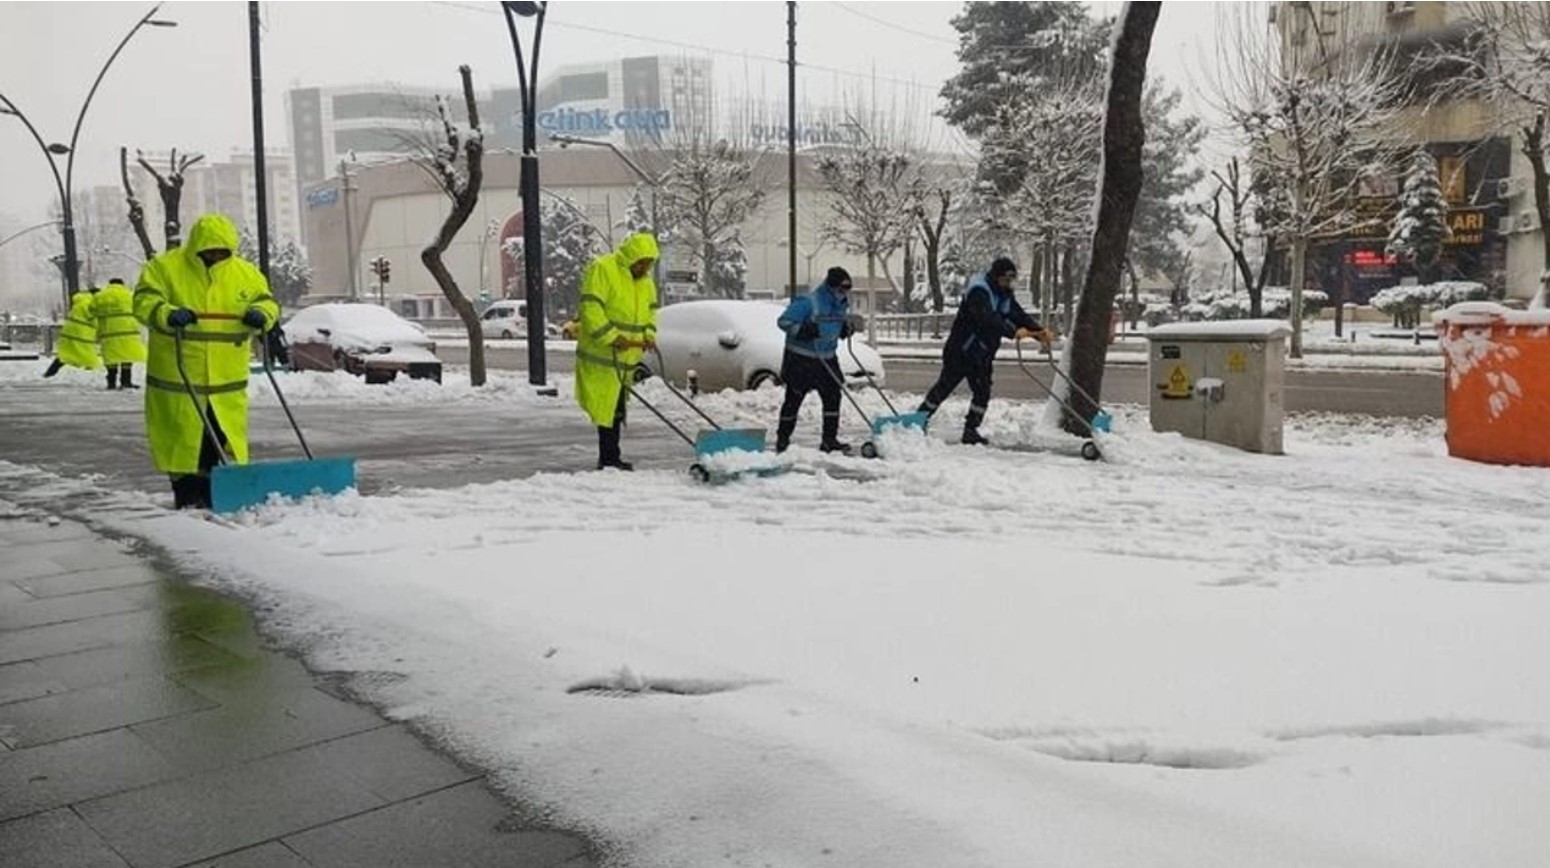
<point x="823" y="306"/>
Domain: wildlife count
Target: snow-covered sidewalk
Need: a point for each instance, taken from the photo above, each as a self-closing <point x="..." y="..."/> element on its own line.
<point x="1186" y="656"/>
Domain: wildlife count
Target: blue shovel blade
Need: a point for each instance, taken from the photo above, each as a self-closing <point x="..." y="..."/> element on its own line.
<point x="1102" y="421"/>
<point x="728" y="439"/>
<point x="234" y="487"/>
<point x="916" y="420"/>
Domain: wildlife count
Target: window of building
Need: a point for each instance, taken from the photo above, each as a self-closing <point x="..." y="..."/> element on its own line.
<point x="591" y="85"/>
<point x="374" y="141"/>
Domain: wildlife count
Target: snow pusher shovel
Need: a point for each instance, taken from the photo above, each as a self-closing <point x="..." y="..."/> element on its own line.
<point x="1098" y="423"/>
<point x="235" y="487"/>
<point x="876" y="425"/>
<point x="714" y="448"/>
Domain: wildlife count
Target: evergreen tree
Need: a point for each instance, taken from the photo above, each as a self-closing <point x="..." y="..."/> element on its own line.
<point x="1421" y="226"/>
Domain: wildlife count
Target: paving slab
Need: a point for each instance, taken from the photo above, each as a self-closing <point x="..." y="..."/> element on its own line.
<point x="65" y="772"/>
<point x="204" y="816"/>
<point x="57" y="839"/>
<point x="464" y="827"/>
<point x="55" y="610"/>
<point x="105" y="632"/>
<point x="95" y="709"/>
<point x="272" y="855"/>
<point x="83" y="581"/>
<point x="27" y="680"/>
<point x="169" y="655"/>
<point x="390" y="762"/>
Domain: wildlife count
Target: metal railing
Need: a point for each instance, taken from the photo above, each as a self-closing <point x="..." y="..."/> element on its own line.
<point x="29" y="334"/>
<point x="909" y="326"/>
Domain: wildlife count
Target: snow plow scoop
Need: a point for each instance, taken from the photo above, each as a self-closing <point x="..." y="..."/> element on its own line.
<point x="878" y="424"/>
<point x="235" y="487"/>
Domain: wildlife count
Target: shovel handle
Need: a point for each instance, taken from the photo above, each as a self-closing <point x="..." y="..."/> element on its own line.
<point x="177" y="343"/>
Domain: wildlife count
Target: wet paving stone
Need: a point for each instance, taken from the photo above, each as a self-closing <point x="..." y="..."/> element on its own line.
<point x="95" y="709"/>
<point x="64" y="772"/>
<point x="57" y="839"/>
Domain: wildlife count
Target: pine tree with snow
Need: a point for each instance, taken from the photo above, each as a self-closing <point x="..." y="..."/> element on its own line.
<point x="728" y="274"/>
<point x="1421" y="226"/>
<point x="637" y="215"/>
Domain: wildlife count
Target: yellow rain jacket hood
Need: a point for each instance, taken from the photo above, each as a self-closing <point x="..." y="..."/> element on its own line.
<point x="613" y="304"/>
<point x="215" y="351"/>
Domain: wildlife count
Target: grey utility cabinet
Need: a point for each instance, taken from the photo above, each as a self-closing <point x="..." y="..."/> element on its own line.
<point x="1220" y="381"/>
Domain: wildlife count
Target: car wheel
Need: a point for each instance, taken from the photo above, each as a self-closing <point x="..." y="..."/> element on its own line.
<point x="377" y="378"/>
<point x="760" y="379"/>
<point x="506" y="333"/>
<point x="642" y="373"/>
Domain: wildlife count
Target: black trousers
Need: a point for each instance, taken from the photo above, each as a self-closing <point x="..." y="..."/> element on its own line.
<point x="803" y="374"/>
<point x="192" y="490"/>
<point x="608" y="438"/>
<point x="954" y="371"/>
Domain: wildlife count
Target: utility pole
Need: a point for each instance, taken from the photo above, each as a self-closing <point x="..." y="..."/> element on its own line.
<point x="349" y="232"/>
<point x="260" y="176"/>
<point x="791" y="145"/>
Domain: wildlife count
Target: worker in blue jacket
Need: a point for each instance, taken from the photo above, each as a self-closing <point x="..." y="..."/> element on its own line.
<point x="987" y="314"/>
<point x="814" y="324"/>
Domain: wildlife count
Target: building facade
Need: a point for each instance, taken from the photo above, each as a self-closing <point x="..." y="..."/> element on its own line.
<point x="1485" y="179"/>
<point x="229" y="187"/>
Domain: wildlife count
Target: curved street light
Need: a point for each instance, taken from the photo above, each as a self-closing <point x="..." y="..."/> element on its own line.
<point x="9" y="238"/>
<point x="533" y="276"/>
<point x="64" y="185"/>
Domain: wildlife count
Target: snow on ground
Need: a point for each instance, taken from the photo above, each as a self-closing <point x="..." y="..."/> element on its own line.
<point x="1183" y="656"/>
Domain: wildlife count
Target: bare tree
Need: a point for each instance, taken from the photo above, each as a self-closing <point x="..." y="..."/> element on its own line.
<point x="1237" y="230"/>
<point x="933" y="205"/>
<point x="1504" y="62"/>
<point x="1316" y="127"/>
<point x="1123" y="137"/>
<point x="170" y="187"/>
<point x="136" y="210"/>
<point x="461" y="186"/>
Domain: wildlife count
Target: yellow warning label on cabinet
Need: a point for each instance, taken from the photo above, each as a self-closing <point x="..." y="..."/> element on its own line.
<point x="1178" y="383"/>
<point x="1237" y="362"/>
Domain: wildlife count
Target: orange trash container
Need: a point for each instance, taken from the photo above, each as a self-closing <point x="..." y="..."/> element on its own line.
<point x="1497" y="381"/>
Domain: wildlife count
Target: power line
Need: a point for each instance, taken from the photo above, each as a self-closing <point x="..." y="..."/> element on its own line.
<point x="899" y="27"/>
<point x="690" y="46"/>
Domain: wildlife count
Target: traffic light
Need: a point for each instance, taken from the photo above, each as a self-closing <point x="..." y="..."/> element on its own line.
<point x="382" y="268"/>
<point x="387" y="268"/>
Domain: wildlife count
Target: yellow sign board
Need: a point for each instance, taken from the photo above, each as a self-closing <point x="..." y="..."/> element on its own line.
<point x="1178" y="383"/>
<point x="1237" y="363"/>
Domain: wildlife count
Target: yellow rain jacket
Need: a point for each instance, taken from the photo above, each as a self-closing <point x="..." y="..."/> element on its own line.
<point x="117" y="330"/>
<point x="216" y="348"/>
<point x="78" y="334"/>
<point x="613" y="303"/>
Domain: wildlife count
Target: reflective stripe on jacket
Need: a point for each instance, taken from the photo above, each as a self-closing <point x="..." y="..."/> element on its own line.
<point x="822" y="305"/>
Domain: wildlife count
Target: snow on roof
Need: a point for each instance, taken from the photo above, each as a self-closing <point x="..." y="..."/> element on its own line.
<point x="1487" y="312"/>
<point x="1243" y="329"/>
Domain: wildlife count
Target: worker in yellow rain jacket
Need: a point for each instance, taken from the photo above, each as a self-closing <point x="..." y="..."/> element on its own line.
<point x="119" y="333"/>
<point x="77" y="337"/>
<point x="215" y="301"/>
<point x="617" y="312"/>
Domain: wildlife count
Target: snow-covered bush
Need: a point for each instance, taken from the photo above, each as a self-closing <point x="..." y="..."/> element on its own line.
<point x="1405" y="303"/>
<point x="1276" y="302"/>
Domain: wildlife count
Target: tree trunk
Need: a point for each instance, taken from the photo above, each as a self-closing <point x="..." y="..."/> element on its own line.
<point x="1534" y="149"/>
<point x="934" y="272"/>
<point x="909" y="275"/>
<point x="465" y="196"/>
<point x="1120" y="187"/>
<point x="136" y="210"/>
<point x="1299" y="274"/>
<point x="1067" y="285"/>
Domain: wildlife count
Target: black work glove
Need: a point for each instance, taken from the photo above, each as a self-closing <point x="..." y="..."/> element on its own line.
<point x="254" y="319"/>
<point x="846" y="330"/>
<point x="181" y="317"/>
<point x="808" y="331"/>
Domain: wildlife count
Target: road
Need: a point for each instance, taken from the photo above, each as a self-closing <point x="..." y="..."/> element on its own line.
<point x="1379" y="393"/>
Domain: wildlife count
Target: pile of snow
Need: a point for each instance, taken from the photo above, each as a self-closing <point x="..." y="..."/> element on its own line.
<point x="1276" y="303"/>
<point x="353" y="327"/>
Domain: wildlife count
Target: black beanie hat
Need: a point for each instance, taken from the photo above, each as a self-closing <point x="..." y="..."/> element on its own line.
<point x="837" y="276"/>
<point x="1002" y="266"/>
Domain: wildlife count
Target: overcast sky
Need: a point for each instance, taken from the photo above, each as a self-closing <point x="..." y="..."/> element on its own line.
<point x="188" y="87"/>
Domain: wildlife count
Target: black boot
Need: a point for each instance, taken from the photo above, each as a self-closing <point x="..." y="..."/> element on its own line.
<point x="831" y="435"/>
<point x="783" y="434"/>
<point x="53" y="368"/>
<point x="971" y="437"/>
<point x="124" y="374"/>
<point x="191" y="491"/>
<point x="112" y="376"/>
<point x="608" y="450"/>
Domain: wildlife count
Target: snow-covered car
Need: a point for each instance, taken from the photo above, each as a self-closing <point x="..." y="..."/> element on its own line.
<point x="736" y="345"/>
<point x="507" y="319"/>
<point x="364" y="339"/>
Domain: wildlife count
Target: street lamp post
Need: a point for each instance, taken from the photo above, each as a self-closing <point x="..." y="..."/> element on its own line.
<point x="72" y="265"/>
<point x="652" y="181"/>
<point x="12" y="237"/>
<point x="532" y="243"/>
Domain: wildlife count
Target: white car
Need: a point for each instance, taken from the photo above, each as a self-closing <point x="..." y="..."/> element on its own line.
<point x="364" y="339"/>
<point x="507" y="319"/>
<point x="737" y="345"/>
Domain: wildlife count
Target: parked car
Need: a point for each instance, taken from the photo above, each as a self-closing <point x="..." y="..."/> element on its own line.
<point x="507" y="319"/>
<point x="364" y="339"/>
<point x="736" y="345"/>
